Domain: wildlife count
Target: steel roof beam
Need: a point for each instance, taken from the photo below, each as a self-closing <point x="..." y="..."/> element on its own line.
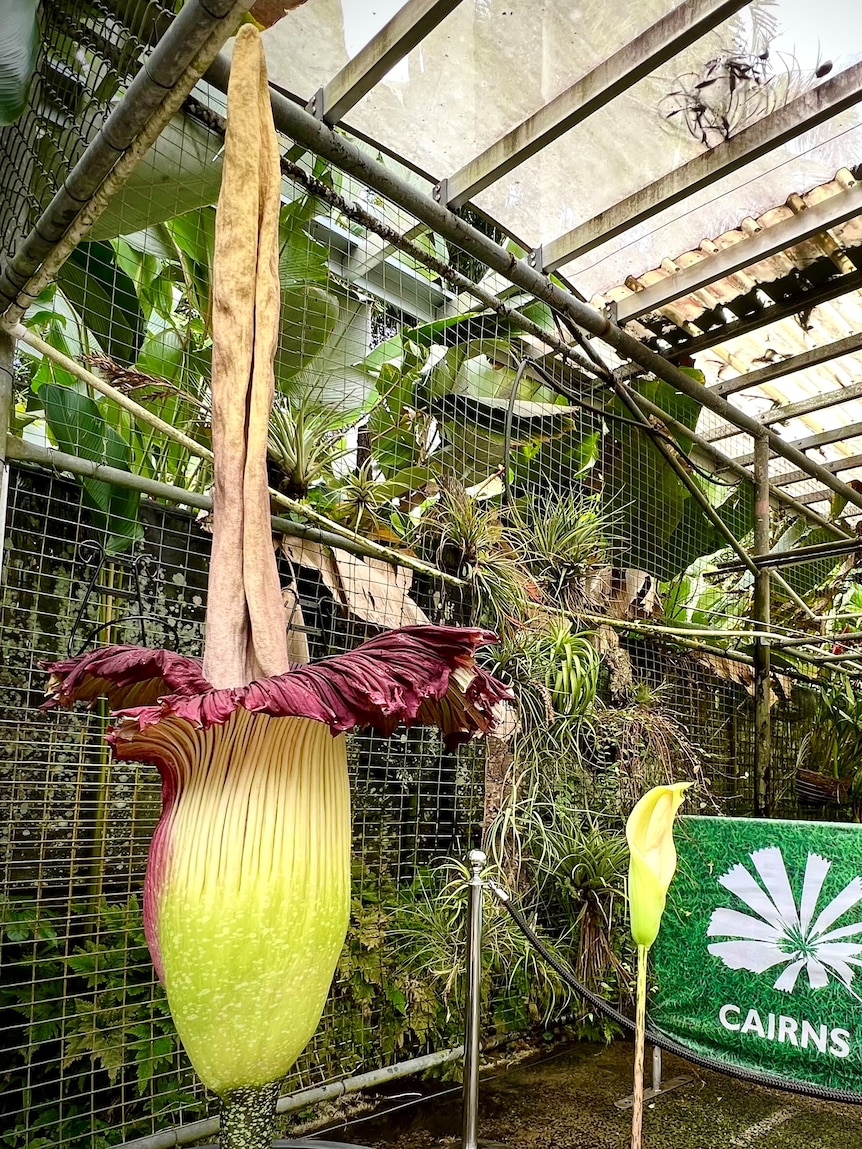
<point x="407" y="28"/>
<point x="165" y="78"/>
<point x="813" y="358"/>
<point x="376" y="251"/>
<point x="834" y="465"/>
<point x="314" y="135"/>
<point x="782" y="413"/>
<point x="723" y="462"/>
<point x="820" y="439"/>
<point x="661" y="42"/>
<point x="784" y="299"/>
<point x="821" y="496"/>
<point x="767" y="242"/>
<point x="784" y="124"/>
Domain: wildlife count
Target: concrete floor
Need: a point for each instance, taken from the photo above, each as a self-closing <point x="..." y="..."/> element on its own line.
<point x="566" y="1101"/>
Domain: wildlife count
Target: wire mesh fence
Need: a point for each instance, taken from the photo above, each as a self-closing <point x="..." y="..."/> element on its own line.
<point x="91" y="1053"/>
<point x="423" y="406"/>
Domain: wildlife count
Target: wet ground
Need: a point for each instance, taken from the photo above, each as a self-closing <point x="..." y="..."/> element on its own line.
<point x="566" y="1101"/>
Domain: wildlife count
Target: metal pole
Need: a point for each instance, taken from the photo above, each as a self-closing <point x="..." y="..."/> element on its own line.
<point x="762" y="685"/>
<point x="7" y="368"/>
<point x="24" y="452"/>
<point x="475" y="885"/>
<point x="170" y="72"/>
<point x="194" y="1131"/>
<point x="669" y="455"/>
<point x="316" y="137"/>
<point x="656" y="1069"/>
<point x="725" y="462"/>
<point x="354" y="211"/>
<point x="7" y="399"/>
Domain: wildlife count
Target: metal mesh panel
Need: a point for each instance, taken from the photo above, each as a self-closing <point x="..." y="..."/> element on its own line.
<point x="90" y="50"/>
<point x="92" y="1055"/>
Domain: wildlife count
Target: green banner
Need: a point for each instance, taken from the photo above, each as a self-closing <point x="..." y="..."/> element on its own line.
<point x="759" y="959"/>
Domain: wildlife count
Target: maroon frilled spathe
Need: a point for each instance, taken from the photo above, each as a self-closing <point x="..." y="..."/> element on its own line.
<point x="424" y="675"/>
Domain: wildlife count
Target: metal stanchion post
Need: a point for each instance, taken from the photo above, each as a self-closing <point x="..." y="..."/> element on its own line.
<point x="659" y="1087"/>
<point x="476" y="860"/>
<point x="656" y="1069"/>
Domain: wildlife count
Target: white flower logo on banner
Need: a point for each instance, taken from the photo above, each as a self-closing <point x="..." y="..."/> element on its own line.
<point x="779" y="932"/>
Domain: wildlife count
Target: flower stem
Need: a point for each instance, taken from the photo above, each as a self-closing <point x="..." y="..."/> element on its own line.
<point x="248" y="1117"/>
<point x="640" y="1027"/>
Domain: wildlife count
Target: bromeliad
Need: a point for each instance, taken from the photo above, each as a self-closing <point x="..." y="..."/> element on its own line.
<point x="246" y="896"/>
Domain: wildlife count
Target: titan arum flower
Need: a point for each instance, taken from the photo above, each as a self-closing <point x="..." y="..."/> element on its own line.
<point x="246" y="897"/>
<point x="652" y="865"/>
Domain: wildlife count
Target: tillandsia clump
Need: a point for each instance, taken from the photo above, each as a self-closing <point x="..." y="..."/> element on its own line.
<point x="246" y="898"/>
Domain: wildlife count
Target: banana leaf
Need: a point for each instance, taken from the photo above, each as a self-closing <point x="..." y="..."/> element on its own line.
<point x="662" y="527"/>
<point x="105" y="298"/>
<point x="181" y="172"/>
<point x="79" y="428"/>
<point x="804" y="577"/>
<point x="20" y="43"/>
<point x="331" y="375"/>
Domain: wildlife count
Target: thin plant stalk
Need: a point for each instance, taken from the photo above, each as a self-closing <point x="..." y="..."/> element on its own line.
<point x="640" y="1030"/>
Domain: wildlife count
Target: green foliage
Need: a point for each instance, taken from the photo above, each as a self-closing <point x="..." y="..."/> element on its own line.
<point x="663" y="528"/>
<point x="382" y="994"/>
<point x="80" y="427"/>
<point x="19" y="54"/>
<point x="466" y="535"/>
<point x="804" y="577"/>
<point x="400" y="980"/>
<point x="89" y="1002"/>
<point x="105" y="298"/>
<point x="833" y="745"/>
<point x="562" y="538"/>
<point x="306" y="440"/>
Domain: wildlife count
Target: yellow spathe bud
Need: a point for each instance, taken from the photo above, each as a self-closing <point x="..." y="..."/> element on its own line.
<point x="652" y="861"/>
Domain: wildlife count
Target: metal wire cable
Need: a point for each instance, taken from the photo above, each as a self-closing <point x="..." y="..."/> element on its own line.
<point x="802" y="1089"/>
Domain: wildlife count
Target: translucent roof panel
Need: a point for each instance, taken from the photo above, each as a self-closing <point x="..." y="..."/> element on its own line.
<point x="488" y="66"/>
<point x="662" y="122"/>
<point x="492" y="63"/>
<point x="811" y="159"/>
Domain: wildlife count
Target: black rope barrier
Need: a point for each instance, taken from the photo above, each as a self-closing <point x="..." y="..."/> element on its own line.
<point x="653" y="1036"/>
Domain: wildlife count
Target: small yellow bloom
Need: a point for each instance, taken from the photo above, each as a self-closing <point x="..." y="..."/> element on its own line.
<point x="652" y="862"/>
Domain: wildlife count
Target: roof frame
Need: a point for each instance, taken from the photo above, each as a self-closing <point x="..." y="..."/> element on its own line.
<point x="316" y="136"/>
<point x="768" y="241"/>
<point x="790" y="366"/>
<point x="677" y="30"/>
<point x="822" y="496"/>
<point x="847" y="463"/>
<point x="819" y="439"/>
<point x="407" y="28"/>
<point x="792" y="120"/>
<point x="681" y="343"/>
<point x="782" y="413"/>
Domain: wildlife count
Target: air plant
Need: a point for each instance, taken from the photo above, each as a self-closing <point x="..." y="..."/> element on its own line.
<point x="466" y="535"/>
<point x="246" y="898"/>
<point x="563" y="538"/>
<point x="306" y="439"/>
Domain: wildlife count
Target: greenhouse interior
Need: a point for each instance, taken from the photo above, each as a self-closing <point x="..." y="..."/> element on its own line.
<point x="431" y="573"/>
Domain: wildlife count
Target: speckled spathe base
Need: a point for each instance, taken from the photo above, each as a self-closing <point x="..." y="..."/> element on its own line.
<point x="248" y="1118"/>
